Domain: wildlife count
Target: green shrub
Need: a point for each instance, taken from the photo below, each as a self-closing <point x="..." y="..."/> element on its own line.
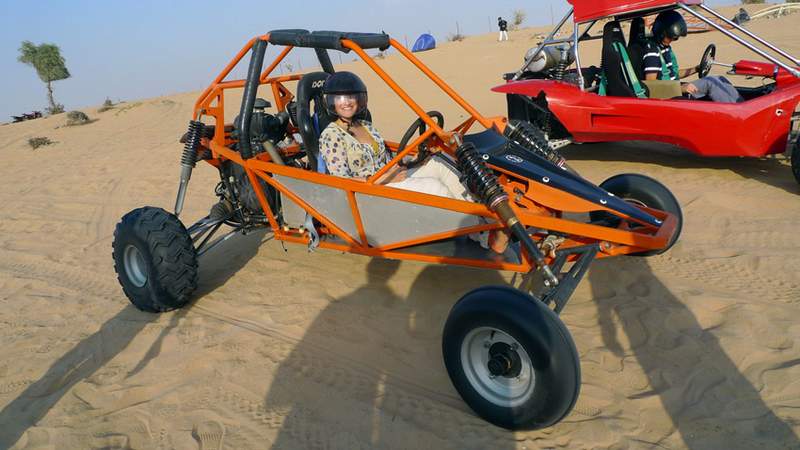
<point x="77" y="118"/>
<point x="455" y="37"/>
<point x="58" y="108"/>
<point x="108" y="104"/>
<point x="519" y="17"/>
<point x="40" y="141"/>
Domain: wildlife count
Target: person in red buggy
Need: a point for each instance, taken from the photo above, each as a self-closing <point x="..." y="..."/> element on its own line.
<point x="659" y="62"/>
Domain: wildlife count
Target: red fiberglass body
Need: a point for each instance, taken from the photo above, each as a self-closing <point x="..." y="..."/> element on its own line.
<point x="755" y="127"/>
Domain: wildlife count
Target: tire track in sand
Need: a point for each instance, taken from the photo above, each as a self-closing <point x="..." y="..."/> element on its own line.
<point x="726" y="276"/>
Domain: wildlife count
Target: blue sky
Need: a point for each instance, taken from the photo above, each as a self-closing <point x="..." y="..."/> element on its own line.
<point x="146" y="48"/>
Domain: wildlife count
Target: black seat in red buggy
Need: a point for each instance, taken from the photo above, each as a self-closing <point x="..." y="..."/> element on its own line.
<point x="637" y="46"/>
<point x="616" y="65"/>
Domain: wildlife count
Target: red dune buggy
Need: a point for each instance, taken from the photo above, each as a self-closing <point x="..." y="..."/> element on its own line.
<point x="507" y="352"/>
<point x="567" y="106"/>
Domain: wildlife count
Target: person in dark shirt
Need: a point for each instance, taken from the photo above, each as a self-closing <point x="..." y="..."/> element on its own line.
<point x="503" y="25"/>
<point x="660" y="63"/>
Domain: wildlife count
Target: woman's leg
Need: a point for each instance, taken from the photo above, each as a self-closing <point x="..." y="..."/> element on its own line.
<point x="434" y="167"/>
<point x="426" y="185"/>
<point x="444" y="172"/>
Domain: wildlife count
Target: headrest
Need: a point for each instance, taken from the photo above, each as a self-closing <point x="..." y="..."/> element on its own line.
<point x="310" y="86"/>
<point x="637" y="30"/>
<point x="612" y="32"/>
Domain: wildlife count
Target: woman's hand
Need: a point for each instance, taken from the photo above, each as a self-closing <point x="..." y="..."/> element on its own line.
<point x="394" y="175"/>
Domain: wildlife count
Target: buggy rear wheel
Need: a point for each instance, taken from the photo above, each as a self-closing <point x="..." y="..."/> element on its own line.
<point x="642" y="191"/>
<point x="155" y="260"/>
<point x="511" y="358"/>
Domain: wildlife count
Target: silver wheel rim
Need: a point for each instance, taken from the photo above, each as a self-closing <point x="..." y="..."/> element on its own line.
<point x="635" y="202"/>
<point x="135" y="268"/>
<point x="501" y="390"/>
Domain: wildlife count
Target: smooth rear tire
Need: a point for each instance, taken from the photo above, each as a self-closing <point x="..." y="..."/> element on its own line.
<point x="643" y="191"/>
<point x="511" y="358"/>
<point x="155" y="260"/>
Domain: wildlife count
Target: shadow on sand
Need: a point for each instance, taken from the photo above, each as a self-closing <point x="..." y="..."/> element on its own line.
<point x="768" y="170"/>
<point x="710" y="403"/>
<point x="368" y="372"/>
<point x="113" y="337"/>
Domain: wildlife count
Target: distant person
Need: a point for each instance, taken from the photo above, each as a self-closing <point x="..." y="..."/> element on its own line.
<point x="503" y="25"/>
<point x="659" y="62"/>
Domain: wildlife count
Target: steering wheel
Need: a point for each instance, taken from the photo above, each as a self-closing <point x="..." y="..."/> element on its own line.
<point x="707" y="61"/>
<point x="422" y="150"/>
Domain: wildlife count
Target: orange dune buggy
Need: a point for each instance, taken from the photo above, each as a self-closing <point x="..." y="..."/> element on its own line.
<point x="507" y="352"/>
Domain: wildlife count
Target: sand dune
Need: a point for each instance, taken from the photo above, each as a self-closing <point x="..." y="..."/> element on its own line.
<point x="698" y="348"/>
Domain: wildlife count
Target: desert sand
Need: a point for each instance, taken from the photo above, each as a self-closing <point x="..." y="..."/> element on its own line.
<point x="698" y="348"/>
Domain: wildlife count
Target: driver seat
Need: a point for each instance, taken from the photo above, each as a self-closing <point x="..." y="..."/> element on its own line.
<point x="637" y="45"/>
<point x="311" y="122"/>
<point x="618" y="77"/>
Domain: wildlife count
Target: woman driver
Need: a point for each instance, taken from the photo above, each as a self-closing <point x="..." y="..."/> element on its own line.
<point x="351" y="147"/>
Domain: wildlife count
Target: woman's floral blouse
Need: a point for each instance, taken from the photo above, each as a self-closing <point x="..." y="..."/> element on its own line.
<point x="346" y="157"/>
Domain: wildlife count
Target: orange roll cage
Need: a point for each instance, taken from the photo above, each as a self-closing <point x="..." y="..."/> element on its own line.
<point x="536" y="204"/>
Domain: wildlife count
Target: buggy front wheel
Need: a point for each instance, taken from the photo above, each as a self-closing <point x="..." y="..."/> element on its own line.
<point x="644" y="191"/>
<point x="511" y="358"/>
<point x="155" y="260"/>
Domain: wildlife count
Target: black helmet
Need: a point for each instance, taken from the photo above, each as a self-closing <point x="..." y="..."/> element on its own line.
<point x="670" y="24"/>
<point x="344" y="83"/>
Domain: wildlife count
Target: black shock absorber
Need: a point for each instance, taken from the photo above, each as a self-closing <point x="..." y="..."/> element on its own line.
<point x="529" y="137"/>
<point x="483" y="183"/>
<point x="559" y="71"/>
<point x="562" y="64"/>
<point x="188" y="160"/>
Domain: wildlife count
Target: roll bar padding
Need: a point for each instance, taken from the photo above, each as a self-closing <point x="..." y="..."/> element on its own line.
<point x="331" y="40"/>
<point x="249" y="97"/>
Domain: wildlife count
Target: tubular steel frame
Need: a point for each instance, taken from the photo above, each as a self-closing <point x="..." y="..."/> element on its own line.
<point x="537" y="205"/>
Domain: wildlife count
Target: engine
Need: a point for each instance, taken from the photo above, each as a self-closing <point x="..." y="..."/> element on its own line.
<point x="264" y="127"/>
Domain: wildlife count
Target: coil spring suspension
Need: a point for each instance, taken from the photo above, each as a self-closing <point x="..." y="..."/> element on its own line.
<point x="480" y="180"/>
<point x="483" y="183"/>
<point x="560" y="70"/>
<point x="189" y="160"/>
<point x="526" y="135"/>
<point x="193" y="136"/>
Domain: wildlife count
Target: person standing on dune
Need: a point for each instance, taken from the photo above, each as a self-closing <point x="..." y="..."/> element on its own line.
<point x="503" y="25"/>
